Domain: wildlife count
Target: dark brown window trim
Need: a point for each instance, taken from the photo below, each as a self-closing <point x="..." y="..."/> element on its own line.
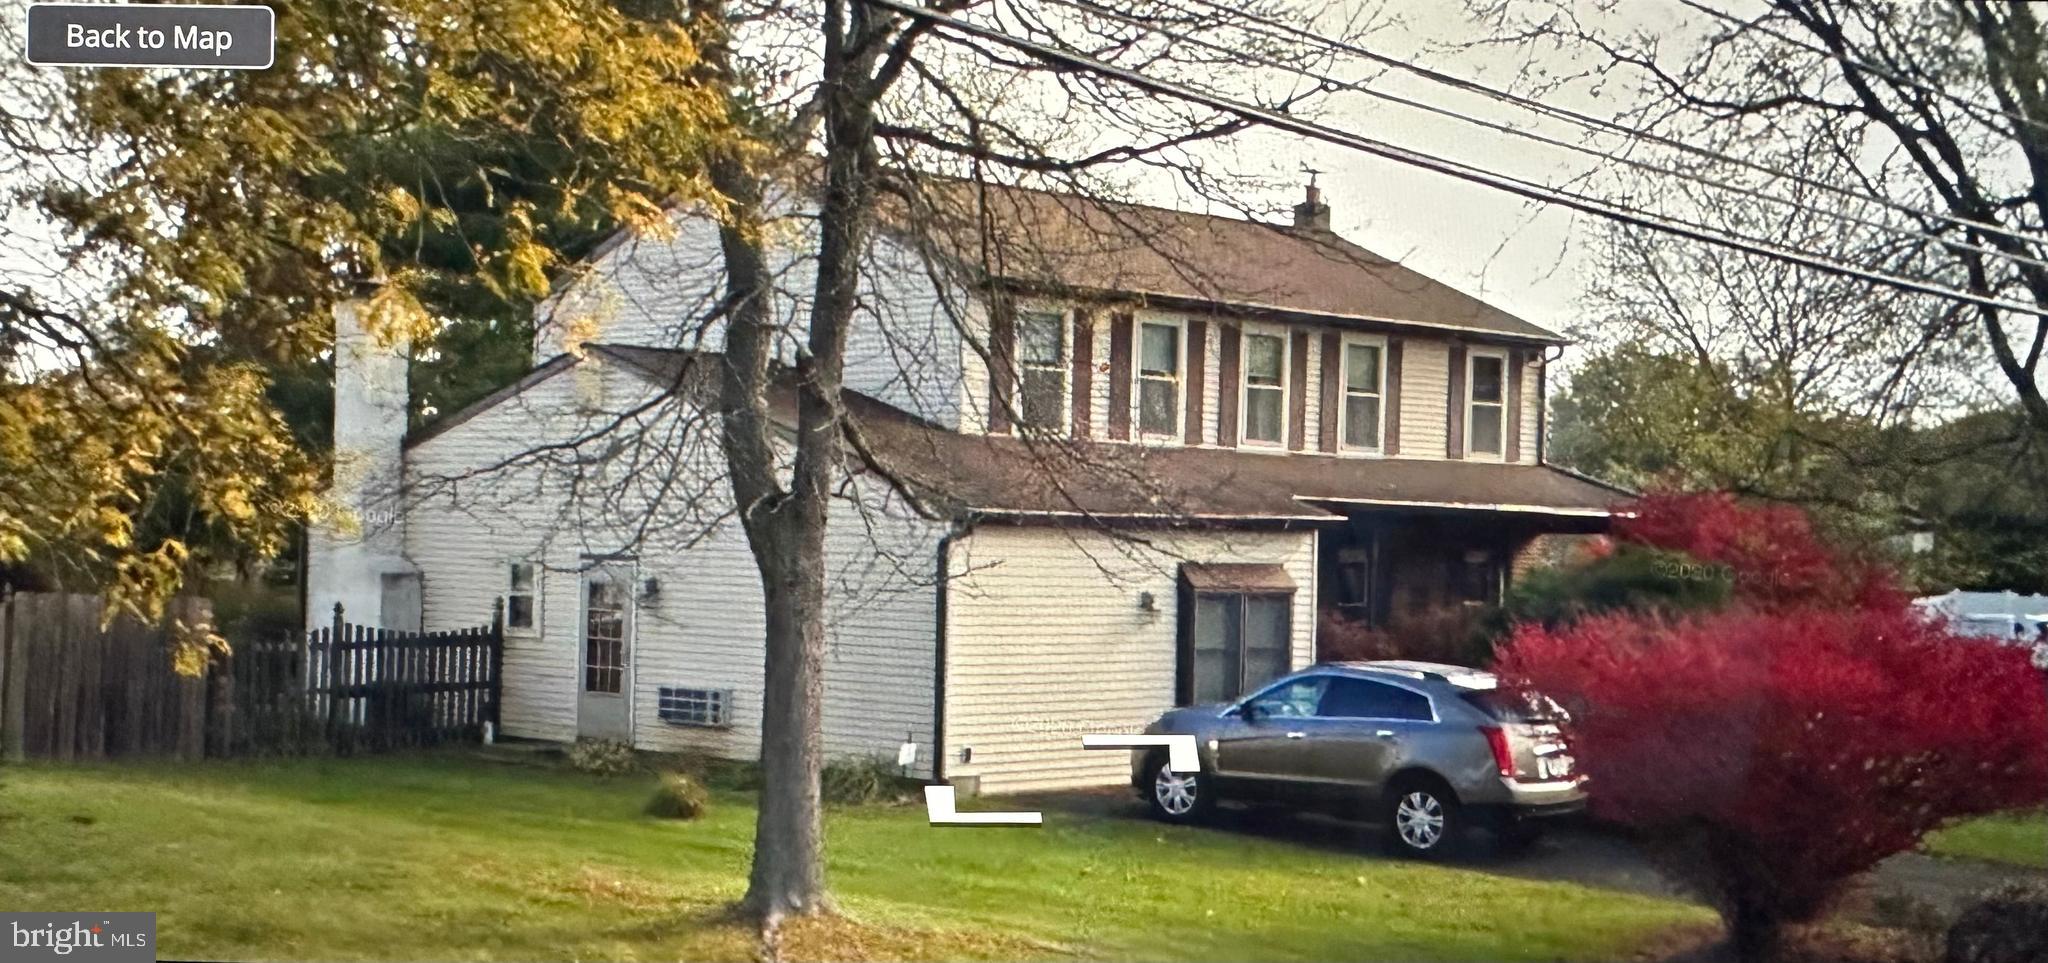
<point x="1196" y="378"/>
<point x="1083" y="377"/>
<point x="1332" y="394"/>
<point x="1184" y="638"/>
<point x="1392" y="442"/>
<point x="1120" y="332"/>
<point x="1454" y="403"/>
<point x="1511" y="446"/>
<point x="1002" y="365"/>
<point x="1297" y="392"/>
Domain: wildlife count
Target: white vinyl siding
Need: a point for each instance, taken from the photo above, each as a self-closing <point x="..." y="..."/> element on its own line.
<point x="1425" y="386"/>
<point x="1212" y="381"/>
<point x="1532" y="410"/>
<point x="903" y="346"/>
<point x="703" y="627"/>
<point x="1047" y="640"/>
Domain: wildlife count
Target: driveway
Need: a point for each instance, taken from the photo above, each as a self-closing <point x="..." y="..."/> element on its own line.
<point x="1584" y="855"/>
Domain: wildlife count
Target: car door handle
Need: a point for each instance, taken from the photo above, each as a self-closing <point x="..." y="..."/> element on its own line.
<point x="1297" y="735"/>
<point x="1384" y="734"/>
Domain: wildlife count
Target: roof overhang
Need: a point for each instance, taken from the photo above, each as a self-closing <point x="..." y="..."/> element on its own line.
<point x="1557" y="511"/>
<point x="1253" y="310"/>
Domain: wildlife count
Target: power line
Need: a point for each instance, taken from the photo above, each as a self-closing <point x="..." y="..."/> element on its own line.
<point x="1589" y="120"/>
<point x="1336" y="82"/>
<point x="1503" y="182"/>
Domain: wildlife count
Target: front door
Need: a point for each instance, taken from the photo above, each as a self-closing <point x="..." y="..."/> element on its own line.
<point x="605" y="682"/>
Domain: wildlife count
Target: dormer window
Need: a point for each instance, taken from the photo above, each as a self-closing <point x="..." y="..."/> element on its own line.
<point x="1159" y="379"/>
<point x="1042" y="370"/>
<point x="1265" y="389"/>
<point x="1486" y="408"/>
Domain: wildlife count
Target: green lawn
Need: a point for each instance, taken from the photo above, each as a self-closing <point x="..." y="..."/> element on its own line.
<point x="2020" y="838"/>
<point x="449" y="857"/>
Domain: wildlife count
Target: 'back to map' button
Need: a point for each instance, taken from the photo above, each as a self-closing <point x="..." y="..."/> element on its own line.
<point x="233" y="37"/>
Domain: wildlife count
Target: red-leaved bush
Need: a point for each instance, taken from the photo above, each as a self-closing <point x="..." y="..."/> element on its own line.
<point x="1777" y="559"/>
<point x="1767" y="757"/>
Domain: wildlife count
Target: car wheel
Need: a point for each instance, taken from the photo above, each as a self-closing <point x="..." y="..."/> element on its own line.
<point x="1177" y="797"/>
<point x="1422" y="819"/>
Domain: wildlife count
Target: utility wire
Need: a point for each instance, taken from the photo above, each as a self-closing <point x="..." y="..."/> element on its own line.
<point x="1588" y="120"/>
<point x="1466" y="172"/>
<point x="1332" y="82"/>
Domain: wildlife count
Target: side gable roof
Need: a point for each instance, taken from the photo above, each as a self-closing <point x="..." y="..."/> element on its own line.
<point x="1043" y="240"/>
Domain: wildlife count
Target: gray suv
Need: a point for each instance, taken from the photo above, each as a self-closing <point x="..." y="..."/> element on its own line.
<point x="1422" y="748"/>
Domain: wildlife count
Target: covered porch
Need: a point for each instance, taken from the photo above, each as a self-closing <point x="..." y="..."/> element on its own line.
<point x="1420" y="574"/>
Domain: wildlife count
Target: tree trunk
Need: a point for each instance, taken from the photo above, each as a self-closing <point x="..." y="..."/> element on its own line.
<point x="1754" y="933"/>
<point x="788" y="877"/>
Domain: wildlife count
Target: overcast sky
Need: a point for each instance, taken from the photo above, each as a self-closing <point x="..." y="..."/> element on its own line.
<point x="1525" y="258"/>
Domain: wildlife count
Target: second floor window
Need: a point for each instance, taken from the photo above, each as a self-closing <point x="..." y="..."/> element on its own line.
<point x="1362" y="396"/>
<point x="1265" y="388"/>
<point x="1042" y="370"/>
<point x="1158" y="379"/>
<point x="1486" y="414"/>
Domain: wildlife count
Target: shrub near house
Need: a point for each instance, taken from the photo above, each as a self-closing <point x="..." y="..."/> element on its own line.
<point x="1772" y="750"/>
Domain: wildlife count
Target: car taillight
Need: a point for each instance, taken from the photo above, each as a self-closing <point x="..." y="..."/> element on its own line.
<point x="1497" y="740"/>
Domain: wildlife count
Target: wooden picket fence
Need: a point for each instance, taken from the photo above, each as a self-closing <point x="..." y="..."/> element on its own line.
<point x="71" y="688"/>
<point x="382" y="689"/>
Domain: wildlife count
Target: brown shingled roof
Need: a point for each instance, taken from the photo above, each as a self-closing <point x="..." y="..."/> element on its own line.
<point x="1065" y="242"/>
<point x="966" y="474"/>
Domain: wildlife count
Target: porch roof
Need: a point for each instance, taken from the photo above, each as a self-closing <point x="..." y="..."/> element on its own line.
<point x="966" y="475"/>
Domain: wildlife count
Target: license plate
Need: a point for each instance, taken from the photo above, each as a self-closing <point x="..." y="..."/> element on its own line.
<point x="1553" y="767"/>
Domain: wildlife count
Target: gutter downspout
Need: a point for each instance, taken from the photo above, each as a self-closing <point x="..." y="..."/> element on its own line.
<point x="942" y="567"/>
<point x="1543" y="405"/>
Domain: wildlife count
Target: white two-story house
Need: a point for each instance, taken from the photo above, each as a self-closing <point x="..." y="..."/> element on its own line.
<point x="1126" y="461"/>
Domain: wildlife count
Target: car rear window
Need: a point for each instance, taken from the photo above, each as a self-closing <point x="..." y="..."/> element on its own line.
<point x="1506" y="705"/>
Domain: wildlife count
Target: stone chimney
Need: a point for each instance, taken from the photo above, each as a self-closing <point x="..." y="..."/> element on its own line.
<point x="1312" y="214"/>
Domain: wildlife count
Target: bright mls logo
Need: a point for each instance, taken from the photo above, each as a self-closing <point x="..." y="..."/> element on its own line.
<point x="79" y="937"/>
<point x="224" y="37"/>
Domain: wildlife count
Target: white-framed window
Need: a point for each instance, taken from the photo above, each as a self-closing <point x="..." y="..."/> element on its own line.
<point x="1042" y="370"/>
<point x="1263" y="406"/>
<point x="1361" y="419"/>
<point x="1486" y="403"/>
<point x="522" y="597"/>
<point x="1161" y="356"/>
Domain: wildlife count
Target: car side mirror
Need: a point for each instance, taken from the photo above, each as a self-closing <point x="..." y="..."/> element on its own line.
<point x="1249" y="712"/>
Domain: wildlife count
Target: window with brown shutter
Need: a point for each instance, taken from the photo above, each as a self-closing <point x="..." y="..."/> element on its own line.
<point x="1160" y="364"/>
<point x="1120" y="376"/>
<point x="1002" y="369"/>
<point x="1486" y="403"/>
<point x="1197" y="379"/>
<point x="1393" y="415"/>
<point x="1363" y="394"/>
<point x="1265" y="389"/>
<point x="1297" y="392"/>
<point x="1041" y="371"/>
<point x="1083" y="416"/>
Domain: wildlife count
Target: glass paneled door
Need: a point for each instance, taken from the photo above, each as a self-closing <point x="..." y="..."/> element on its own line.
<point x="605" y="676"/>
